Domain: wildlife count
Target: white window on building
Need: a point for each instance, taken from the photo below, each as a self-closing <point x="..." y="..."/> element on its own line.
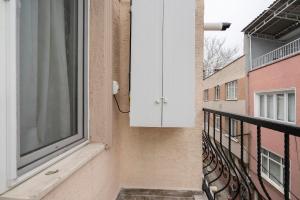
<point x="277" y="106"/>
<point x="205" y="95"/>
<point x="272" y="168"/>
<point x="234" y="127"/>
<point x="231" y="90"/>
<point x="217" y="93"/>
<point x="218" y="119"/>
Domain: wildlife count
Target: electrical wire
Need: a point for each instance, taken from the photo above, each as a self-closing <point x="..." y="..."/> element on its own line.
<point x="121" y="111"/>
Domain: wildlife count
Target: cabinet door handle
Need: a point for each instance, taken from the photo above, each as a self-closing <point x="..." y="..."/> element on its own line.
<point x="157" y="101"/>
<point x="165" y="100"/>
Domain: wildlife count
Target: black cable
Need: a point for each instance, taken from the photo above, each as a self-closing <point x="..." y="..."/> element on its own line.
<point x="119" y="106"/>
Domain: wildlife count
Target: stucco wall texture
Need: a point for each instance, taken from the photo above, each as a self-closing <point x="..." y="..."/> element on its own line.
<point x="278" y="76"/>
<point x="150" y="158"/>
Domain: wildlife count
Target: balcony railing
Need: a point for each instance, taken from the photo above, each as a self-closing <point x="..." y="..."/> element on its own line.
<point x="226" y="178"/>
<point x="283" y="52"/>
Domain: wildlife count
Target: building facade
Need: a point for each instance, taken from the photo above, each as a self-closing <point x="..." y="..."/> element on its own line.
<point x="226" y="91"/>
<point x="114" y="155"/>
<point x="272" y="55"/>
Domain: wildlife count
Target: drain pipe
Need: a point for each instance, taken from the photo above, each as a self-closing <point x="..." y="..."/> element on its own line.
<point x="223" y="26"/>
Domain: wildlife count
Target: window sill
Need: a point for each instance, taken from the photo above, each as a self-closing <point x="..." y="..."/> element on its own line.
<point x="232" y="138"/>
<point x="41" y="184"/>
<point x="267" y="179"/>
<point x="231" y="99"/>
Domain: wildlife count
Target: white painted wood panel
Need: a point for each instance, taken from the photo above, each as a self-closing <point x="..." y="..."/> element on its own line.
<point x="179" y="63"/>
<point x="146" y="63"/>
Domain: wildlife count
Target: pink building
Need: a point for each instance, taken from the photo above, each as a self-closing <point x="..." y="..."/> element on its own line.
<point x="272" y="48"/>
<point x="271" y="88"/>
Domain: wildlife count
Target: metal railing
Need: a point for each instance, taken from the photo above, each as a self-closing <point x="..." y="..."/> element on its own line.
<point x="223" y="174"/>
<point x="280" y="53"/>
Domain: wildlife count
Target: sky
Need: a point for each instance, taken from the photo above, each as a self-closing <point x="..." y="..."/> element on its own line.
<point x="238" y="12"/>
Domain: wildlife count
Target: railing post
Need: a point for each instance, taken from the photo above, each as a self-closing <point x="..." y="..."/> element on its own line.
<point x="242" y="143"/>
<point x="286" y="166"/>
<point x="258" y="132"/>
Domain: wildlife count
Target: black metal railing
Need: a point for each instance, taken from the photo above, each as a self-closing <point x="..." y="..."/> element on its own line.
<point x="225" y="176"/>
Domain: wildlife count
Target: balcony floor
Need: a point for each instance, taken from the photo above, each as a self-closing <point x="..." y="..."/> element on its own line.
<point x="144" y="194"/>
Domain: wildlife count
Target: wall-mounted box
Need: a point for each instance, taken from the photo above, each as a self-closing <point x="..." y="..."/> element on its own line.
<point x="162" y="63"/>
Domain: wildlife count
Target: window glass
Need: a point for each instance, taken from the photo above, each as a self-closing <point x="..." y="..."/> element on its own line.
<point x="231" y="90"/>
<point x="205" y="95"/>
<point x="275" y="157"/>
<point x="50" y="82"/>
<point x="291" y="107"/>
<point x="217" y="92"/>
<point x="270" y="106"/>
<point x="280" y="106"/>
<point x="218" y="122"/>
<point x="264" y="151"/>
<point x="262" y="106"/>
<point x="275" y="172"/>
<point x="265" y="165"/>
<point x="234" y="127"/>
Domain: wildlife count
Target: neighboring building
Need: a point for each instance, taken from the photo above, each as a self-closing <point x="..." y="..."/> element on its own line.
<point x="226" y="91"/>
<point x="74" y="144"/>
<point x="272" y="49"/>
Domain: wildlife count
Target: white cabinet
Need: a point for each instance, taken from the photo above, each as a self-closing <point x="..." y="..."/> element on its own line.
<point x="162" y="63"/>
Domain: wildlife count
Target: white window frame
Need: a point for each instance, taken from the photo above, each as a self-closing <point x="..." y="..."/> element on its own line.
<point x="9" y="176"/>
<point x="234" y="124"/>
<point x="231" y="86"/>
<point x="218" y="123"/>
<point x="217" y="93"/>
<point x="267" y="176"/>
<point x="205" y="95"/>
<point x="285" y="92"/>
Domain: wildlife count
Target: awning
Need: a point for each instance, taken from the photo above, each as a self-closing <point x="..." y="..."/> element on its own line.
<point x="281" y="18"/>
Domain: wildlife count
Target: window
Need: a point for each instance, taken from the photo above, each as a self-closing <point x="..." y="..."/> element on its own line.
<point x="217" y="123"/>
<point x="231" y="89"/>
<point x="206" y="116"/>
<point x="234" y="127"/>
<point x="272" y="168"/>
<point x="205" y="95"/>
<point x="51" y="79"/>
<point x="277" y="106"/>
<point x="217" y="93"/>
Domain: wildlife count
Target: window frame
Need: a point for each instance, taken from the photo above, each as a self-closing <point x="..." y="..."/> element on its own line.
<point x="274" y="93"/>
<point x="218" y="123"/>
<point x="234" y="125"/>
<point x="267" y="176"/>
<point x="217" y="93"/>
<point x="205" y="95"/>
<point x="232" y="85"/>
<point x="9" y="173"/>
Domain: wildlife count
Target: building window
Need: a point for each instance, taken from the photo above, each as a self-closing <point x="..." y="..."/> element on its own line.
<point x="206" y="116"/>
<point x="217" y="93"/>
<point x="51" y="79"/>
<point x="234" y="127"/>
<point x="205" y="95"/>
<point x="277" y="106"/>
<point x="231" y="90"/>
<point x="218" y="119"/>
<point x="272" y="168"/>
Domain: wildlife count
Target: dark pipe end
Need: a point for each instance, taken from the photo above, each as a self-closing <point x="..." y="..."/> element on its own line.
<point x="225" y="26"/>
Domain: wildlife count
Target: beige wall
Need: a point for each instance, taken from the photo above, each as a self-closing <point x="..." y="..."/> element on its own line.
<point x="161" y="158"/>
<point x="138" y="157"/>
<point x="234" y="71"/>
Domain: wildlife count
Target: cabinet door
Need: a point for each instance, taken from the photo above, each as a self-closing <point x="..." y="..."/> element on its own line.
<point x="146" y="63"/>
<point x="179" y="63"/>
